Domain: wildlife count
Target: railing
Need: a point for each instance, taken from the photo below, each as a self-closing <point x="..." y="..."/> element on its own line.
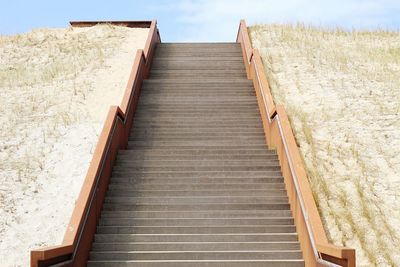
<point x="279" y="135"/>
<point x="78" y="238"/>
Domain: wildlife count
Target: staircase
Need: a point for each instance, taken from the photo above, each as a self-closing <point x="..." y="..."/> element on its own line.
<point x="197" y="185"/>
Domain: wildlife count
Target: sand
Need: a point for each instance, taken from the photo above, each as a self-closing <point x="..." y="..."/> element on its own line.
<point x="56" y="87"/>
<point x="342" y="93"/>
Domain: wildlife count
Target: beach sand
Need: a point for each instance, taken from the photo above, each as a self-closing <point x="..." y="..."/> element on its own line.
<point x="56" y="87"/>
<point x="342" y="93"/>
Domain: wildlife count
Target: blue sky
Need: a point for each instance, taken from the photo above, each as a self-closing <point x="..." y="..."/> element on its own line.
<point x="202" y="20"/>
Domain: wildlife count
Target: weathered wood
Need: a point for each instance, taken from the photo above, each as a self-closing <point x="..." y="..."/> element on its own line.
<point x="279" y="135"/>
<point x="114" y="136"/>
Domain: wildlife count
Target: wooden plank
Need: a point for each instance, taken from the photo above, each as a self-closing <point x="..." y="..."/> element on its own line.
<point x="130" y="24"/>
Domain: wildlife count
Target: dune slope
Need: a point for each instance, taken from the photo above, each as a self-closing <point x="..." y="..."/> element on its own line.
<point x="56" y="86"/>
<point x="342" y="93"/>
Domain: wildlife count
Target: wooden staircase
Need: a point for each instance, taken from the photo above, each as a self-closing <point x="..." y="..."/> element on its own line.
<point x="196" y="185"/>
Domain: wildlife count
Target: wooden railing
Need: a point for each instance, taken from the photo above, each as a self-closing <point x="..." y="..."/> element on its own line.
<point x="279" y="135"/>
<point x="78" y="238"/>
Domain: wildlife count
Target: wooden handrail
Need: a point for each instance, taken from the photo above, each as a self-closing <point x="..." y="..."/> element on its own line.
<point x="76" y="245"/>
<point x="279" y="135"/>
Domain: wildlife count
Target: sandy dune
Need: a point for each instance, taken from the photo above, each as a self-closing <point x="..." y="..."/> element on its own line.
<point x="342" y="93"/>
<point x="56" y="86"/>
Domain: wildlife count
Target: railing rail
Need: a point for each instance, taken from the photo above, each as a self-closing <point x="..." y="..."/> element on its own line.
<point x="77" y="241"/>
<point x="279" y="135"/>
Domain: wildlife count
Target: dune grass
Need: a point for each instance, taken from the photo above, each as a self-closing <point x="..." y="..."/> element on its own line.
<point x="56" y="86"/>
<point x="342" y="92"/>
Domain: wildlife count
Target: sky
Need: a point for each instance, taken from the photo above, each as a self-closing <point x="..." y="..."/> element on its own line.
<point x="201" y="20"/>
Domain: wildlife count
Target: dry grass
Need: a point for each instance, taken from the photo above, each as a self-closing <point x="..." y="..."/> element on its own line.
<point x="56" y="85"/>
<point x="342" y="92"/>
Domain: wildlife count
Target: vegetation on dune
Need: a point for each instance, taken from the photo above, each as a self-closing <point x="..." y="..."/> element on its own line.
<point x="342" y="92"/>
<point x="56" y="85"/>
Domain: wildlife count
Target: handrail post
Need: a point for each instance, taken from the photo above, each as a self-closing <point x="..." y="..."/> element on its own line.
<point x="279" y="135"/>
<point x="79" y="234"/>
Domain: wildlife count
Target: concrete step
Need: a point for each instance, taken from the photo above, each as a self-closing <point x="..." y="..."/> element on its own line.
<point x="179" y="193"/>
<point x="195" y="246"/>
<point x="231" y="185"/>
<point x="198" y="263"/>
<point x="198" y="229"/>
<point x="197" y="214"/>
<point x="196" y="200"/>
<point x="194" y="221"/>
<point x="257" y="237"/>
<point x="194" y="207"/>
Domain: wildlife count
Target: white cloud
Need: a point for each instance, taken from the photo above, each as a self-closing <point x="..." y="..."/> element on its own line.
<point x="217" y="20"/>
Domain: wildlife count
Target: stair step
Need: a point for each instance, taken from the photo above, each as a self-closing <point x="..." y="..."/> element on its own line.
<point x="162" y="92"/>
<point x="198" y="263"/>
<point x="149" y="155"/>
<point x="204" y="108"/>
<point x="197" y="82"/>
<point x="194" y="207"/>
<point x="201" y="151"/>
<point x="193" y="134"/>
<point x="228" y="131"/>
<point x="194" y="221"/>
<point x="198" y="229"/>
<point x="199" y="106"/>
<point x="191" y="55"/>
<point x="186" y="74"/>
<point x="222" y="45"/>
<point x="199" y="176"/>
<point x="195" y="255"/>
<point x="197" y="200"/>
<point x="196" y="163"/>
<point x="189" y="64"/>
<point x="211" y="60"/>
<point x="170" y="193"/>
<point x="257" y="237"/>
<point x="195" y="246"/>
<point x="197" y="186"/>
<point x="197" y="214"/>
